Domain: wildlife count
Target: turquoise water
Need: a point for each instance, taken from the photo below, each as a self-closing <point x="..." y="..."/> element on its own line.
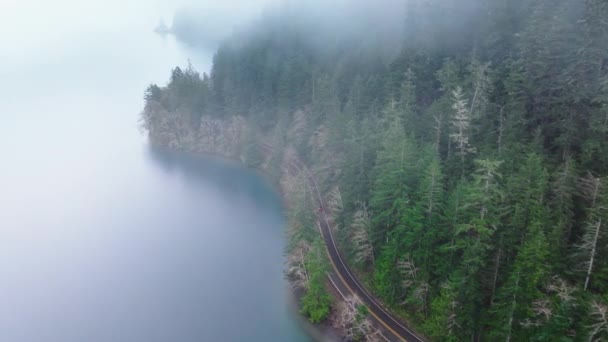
<point x="103" y="237"/>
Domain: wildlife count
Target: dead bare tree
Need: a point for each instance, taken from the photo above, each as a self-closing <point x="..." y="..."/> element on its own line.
<point x="593" y="190"/>
<point x="482" y="85"/>
<point x="348" y="315"/>
<point x="334" y="202"/>
<point x="562" y="289"/>
<point x="542" y="308"/>
<point x="591" y="187"/>
<point x="420" y="295"/>
<point x="461" y="120"/>
<point x="362" y="244"/>
<point x="452" y="324"/>
<point x="297" y="265"/>
<point x="354" y="324"/>
<point x="599" y="316"/>
<point x="588" y="246"/>
<point x="408" y="269"/>
<point x="417" y="290"/>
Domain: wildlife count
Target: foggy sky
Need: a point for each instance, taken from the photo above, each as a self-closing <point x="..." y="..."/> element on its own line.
<point x="205" y="24"/>
<point x="26" y="25"/>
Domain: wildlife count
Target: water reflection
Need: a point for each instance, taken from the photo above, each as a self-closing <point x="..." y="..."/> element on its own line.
<point x="228" y="175"/>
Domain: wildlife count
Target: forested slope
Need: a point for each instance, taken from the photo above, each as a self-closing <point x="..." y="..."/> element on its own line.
<point x="465" y="151"/>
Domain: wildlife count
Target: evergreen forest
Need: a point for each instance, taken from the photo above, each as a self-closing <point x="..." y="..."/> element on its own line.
<point x="462" y="147"/>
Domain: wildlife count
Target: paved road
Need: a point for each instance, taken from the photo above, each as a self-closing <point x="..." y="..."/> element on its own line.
<point x="342" y="277"/>
<point x="393" y="329"/>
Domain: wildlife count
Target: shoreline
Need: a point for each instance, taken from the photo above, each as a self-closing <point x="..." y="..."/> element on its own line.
<point x="321" y="332"/>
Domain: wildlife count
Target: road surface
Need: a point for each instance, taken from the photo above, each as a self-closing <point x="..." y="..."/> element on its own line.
<point x="343" y="279"/>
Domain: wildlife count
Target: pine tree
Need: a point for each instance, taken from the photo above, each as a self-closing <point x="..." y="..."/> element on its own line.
<point x="390" y="189"/>
<point x="487" y="190"/>
<point x="443" y="322"/>
<point x="563" y="191"/>
<point x="513" y="313"/>
<point x="408" y="104"/>
<point x="432" y="187"/>
<point x="461" y="122"/>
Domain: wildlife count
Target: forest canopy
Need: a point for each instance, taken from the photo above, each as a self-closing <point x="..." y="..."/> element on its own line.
<point x="468" y="141"/>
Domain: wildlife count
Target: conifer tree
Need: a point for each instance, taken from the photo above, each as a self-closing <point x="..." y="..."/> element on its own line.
<point x="461" y="122"/>
<point x="390" y="189"/>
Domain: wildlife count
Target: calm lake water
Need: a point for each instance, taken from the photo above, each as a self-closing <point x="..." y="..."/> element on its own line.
<point x="102" y="237"/>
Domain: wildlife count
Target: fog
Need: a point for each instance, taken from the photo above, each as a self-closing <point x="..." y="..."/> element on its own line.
<point x="205" y="25"/>
<point x="103" y="238"/>
<point x="29" y="25"/>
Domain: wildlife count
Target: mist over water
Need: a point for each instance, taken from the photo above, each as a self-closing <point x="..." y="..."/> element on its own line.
<point x="102" y="237"/>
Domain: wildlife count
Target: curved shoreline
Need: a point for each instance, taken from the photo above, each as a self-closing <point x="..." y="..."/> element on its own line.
<point x="318" y="332"/>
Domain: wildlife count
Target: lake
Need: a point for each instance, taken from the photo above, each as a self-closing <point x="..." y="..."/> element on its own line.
<point x="103" y="237"/>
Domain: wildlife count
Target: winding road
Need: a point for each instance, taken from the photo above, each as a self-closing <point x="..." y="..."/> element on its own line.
<point x="342" y="278"/>
<point x="346" y="280"/>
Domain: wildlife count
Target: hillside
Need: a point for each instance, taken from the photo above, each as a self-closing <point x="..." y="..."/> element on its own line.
<point x="463" y="146"/>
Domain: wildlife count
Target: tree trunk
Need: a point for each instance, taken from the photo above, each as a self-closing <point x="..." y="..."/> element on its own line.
<point x="437" y="133"/>
<point x="496" y="267"/>
<point x="431" y="193"/>
<point x="592" y="259"/>
<point x="513" y="306"/>
<point x="500" y="130"/>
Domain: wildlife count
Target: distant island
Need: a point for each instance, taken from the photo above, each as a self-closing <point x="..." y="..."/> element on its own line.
<point x="162" y="28"/>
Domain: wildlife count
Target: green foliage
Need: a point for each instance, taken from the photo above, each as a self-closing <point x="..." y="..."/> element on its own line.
<point x="315" y="304"/>
<point x="442" y="324"/>
<point x="393" y="179"/>
<point x="478" y="152"/>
